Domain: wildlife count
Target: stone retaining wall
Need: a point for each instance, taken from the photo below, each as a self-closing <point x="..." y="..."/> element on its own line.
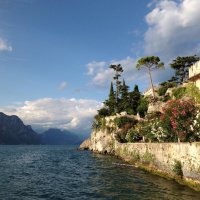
<point x="164" y="155"/>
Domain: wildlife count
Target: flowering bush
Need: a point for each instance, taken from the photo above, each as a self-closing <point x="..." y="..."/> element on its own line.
<point x="148" y="131"/>
<point x="178" y="120"/>
<point x="195" y="127"/>
<point x="133" y="135"/>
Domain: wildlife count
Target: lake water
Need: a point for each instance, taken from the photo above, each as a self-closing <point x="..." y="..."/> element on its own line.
<point x="62" y="172"/>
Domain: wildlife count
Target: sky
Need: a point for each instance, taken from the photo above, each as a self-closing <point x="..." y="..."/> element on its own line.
<point x="55" y="55"/>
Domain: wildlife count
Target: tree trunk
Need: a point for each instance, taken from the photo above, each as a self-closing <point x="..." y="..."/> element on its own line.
<point x="151" y="82"/>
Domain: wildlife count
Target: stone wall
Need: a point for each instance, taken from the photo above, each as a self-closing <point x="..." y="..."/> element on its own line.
<point x="194" y="69"/>
<point x="163" y="156"/>
<point x="197" y="83"/>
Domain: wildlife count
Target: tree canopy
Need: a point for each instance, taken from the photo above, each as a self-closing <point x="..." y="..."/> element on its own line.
<point x="118" y="70"/>
<point x="181" y="66"/>
<point x="150" y="63"/>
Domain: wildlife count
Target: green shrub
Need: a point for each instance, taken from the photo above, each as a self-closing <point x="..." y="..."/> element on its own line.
<point x="193" y="92"/>
<point x="161" y="91"/>
<point x="122" y="121"/>
<point x="133" y="135"/>
<point x="99" y="123"/>
<point x="177" y="168"/>
<point x="178" y="93"/>
<point x="96" y="124"/>
<point x="164" y="86"/>
<point x="166" y="98"/>
<point x="121" y="135"/>
<point x="103" y="112"/>
<point x="142" y="107"/>
<point x="168" y="84"/>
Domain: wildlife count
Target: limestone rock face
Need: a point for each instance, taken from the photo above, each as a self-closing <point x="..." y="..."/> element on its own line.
<point x="86" y="145"/>
<point x="102" y="141"/>
<point x="156" y="107"/>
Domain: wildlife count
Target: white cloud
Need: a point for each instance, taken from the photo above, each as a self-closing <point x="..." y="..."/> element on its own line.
<point x="152" y="3"/>
<point x="102" y="74"/>
<point x="62" y="113"/>
<point x="4" y="46"/>
<point x="173" y="28"/>
<point x="95" y="67"/>
<point x="63" y="85"/>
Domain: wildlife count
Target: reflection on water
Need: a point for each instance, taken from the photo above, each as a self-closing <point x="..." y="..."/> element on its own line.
<point x="62" y="172"/>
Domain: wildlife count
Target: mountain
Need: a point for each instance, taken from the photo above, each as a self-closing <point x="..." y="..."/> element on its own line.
<point x="13" y="131"/>
<point x="56" y="137"/>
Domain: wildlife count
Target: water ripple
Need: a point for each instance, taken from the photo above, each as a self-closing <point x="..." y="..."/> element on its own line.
<point x="62" y="172"/>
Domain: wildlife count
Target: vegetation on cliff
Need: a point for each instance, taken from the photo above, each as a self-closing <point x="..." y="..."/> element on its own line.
<point x="178" y="121"/>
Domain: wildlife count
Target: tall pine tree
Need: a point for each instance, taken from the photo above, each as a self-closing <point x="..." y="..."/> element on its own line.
<point x="118" y="70"/>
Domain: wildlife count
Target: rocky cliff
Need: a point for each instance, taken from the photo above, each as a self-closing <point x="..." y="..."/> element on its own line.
<point x="13" y="131"/>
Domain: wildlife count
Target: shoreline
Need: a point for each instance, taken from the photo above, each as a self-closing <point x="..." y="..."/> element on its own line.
<point x="146" y="159"/>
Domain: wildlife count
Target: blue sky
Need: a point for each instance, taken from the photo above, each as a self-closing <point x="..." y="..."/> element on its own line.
<point x="53" y="41"/>
<point x="56" y="53"/>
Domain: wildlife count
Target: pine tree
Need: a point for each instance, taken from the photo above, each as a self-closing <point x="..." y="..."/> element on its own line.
<point x="181" y="66"/>
<point x="150" y="63"/>
<point x="118" y="70"/>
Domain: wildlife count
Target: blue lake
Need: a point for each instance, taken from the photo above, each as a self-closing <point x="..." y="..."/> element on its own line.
<point x="62" y="172"/>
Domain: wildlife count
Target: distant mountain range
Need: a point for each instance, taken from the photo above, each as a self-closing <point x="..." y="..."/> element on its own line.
<point x="56" y="136"/>
<point x="13" y="131"/>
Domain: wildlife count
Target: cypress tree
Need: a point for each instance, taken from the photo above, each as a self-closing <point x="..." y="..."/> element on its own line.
<point x="134" y="99"/>
<point x="136" y="89"/>
<point x="124" y="100"/>
<point x="111" y="102"/>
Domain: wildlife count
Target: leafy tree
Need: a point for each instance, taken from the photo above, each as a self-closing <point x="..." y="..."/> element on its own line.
<point x="181" y="66"/>
<point x="150" y="63"/>
<point x="118" y="70"/>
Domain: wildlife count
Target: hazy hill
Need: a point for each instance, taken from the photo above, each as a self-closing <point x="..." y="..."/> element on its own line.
<point x="13" y="131"/>
<point x="58" y="137"/>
